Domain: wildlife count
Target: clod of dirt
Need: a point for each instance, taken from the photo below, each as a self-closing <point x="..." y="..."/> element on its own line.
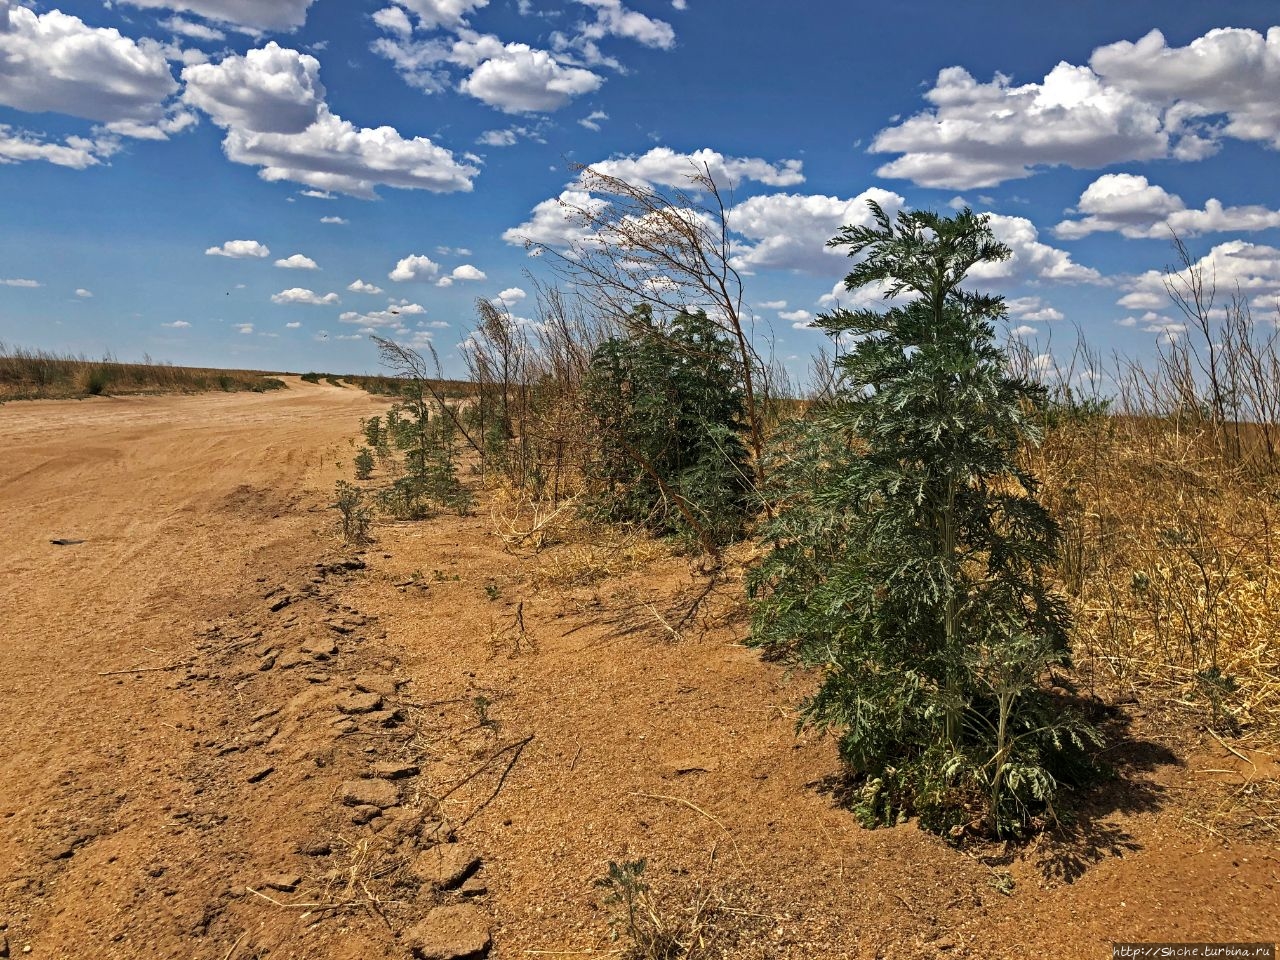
<point x="284" y="882"/>
<point x="459" y="932"/>
<point x="60" y="542"/>
<point x="474" y="887"/>
<point x="376" y="683"/>
<point x="370" y="793"/>
<point x="360" y="703"/>
<point x="391" y="770"/>
<point x="365" y="814"/>
<point x="314" y="848"/>
<point x="261" y="774"/>
<point x="446" y="865"/>
<point x="294" y="658"/>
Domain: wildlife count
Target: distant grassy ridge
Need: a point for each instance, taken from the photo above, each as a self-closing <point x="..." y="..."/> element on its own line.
<point x="40" y="374"/>
<point x="390" y="386"/>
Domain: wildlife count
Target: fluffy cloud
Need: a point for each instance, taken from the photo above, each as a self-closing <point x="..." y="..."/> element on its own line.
<point x="438" y="14"/>
<point x="252" y="15"/>
<point x="980" y="134"/>
<point x="302" y="295"/>
<point x="55" y="62"/>
<point x="297" y="262"/>
<point x="1134" y="101"/>
<point x="1033" y="309"/>
<point x="663" y="166"/>
<point x="592" y="120"/>
<point x="414" y="267"/>
<point x="790" y="231"/>
<point x="522" y="79"/>
<point x="269" y="90"/>
<point x="18" y="282"/>
<point x="341" y="221"/>
<point x="394" y="316"/>
<point x="359" y="286"/>
<point x="177" y="325"/>
<point x="553" y="223"/>
<point x="464" y="272"/>
<point x="84" y="294"/>
<point x="78" y="153"/>
<point x="196" y="31"/>
<point x="240" y="249"/>
<point x="1130" y="205"/>
<point x="1033" y="261"/>
<point x="615" y="20"/>
<point x="511" y="295"/>
<point x="1253" y="269"/>
<point x="293" y="325"/>
<point x="271" y="104"/>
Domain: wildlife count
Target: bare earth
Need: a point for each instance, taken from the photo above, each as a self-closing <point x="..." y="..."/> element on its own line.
<point x="204" y="699"/>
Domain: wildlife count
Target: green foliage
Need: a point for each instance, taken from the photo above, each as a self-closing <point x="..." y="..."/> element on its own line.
<point x="667" y="407"/>
<point x="372" y="429"/>
<point x="429" y="446"/>
<point x="353" y="514"/>
<point x="97" y="381"/>
<point x="311" y="377"/>
<point x="364" y="463"/>
<point x="909" y="550"/>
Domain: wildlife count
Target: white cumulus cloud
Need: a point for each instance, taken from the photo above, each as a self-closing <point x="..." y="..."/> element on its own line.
<point x="270" y="103"/>
<point x="251" y="15"/>
<point x="522" y="79"/>
<point x="790" y="231"/>
<point x="240" y="249"/>
<point x="1139" y="100"/>
<point x="297" y="262"/>
<point x="359" y="286"/>
<point x="304" y="296"/>
<point x="19" y="282"/>
<point x="1132" y="206"/>
<point x="55" y="62"/>
<point x="414" y="267"/>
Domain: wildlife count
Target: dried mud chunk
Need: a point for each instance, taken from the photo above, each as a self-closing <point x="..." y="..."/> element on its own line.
<point x="284" y="882"/>
<point x="365" y="814"/>
<point x="377" y="683"/>
<point x="370" y="793"/>
<point x="446" y="865"/>
<point x="459" y="932"/>
<point x="360" y="703"/>
<point x="391" y="770"/>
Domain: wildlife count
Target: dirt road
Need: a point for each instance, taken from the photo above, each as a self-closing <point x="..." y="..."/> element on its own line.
<point x="182" y="503"/>
<point x="226" y="737"/>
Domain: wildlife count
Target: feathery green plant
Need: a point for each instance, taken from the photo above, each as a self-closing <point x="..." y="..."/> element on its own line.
<point x="910" y="552"/>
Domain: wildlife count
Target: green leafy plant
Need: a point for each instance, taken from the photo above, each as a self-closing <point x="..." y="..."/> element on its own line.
<point x="354" y="518"/>
<point x="364" y="463"/>
<point x="668" y="410"/>
<point x="909" y="553"/>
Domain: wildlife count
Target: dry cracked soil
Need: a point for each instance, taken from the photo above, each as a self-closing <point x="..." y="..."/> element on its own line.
<point x="226" y="736"/>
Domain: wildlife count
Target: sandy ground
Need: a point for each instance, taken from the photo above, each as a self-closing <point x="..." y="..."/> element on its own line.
<point x="225" y="736"/>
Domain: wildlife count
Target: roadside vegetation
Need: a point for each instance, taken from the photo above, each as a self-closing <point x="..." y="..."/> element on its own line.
<point x="39" y="374"/>
<point x="976" y="553"/>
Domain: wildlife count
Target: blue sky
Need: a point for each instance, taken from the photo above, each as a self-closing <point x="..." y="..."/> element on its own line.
<point x="260" y="183"/>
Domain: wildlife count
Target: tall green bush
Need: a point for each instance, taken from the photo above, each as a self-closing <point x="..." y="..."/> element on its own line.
<point x="667" y="409"/>
<point x="909" y="553"/>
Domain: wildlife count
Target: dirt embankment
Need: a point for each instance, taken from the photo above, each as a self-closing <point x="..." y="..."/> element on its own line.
<point x="226" y="738"/>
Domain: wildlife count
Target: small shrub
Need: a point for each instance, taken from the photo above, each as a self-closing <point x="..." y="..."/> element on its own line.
<point x="354" y="515"/>
<point x="364" y="463"/>
<point x="311" y="377"/>
<point x="656" y="932"/>
<point x="97" y="381"/>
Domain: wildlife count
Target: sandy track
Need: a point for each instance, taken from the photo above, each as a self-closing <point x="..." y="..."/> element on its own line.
<point x="178" y="499"/>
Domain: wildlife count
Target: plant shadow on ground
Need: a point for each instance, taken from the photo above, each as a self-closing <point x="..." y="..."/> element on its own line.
<point x="1084" y="832"/>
